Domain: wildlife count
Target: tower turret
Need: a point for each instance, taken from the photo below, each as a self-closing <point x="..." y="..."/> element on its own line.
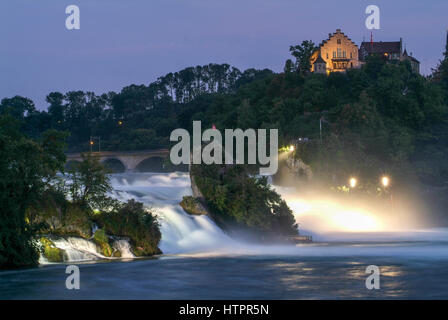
<point x="320" y="66"/>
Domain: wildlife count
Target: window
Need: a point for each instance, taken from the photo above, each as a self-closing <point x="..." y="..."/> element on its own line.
<point x="339" y="53"/>
<point x="344" y="54"/>
<point x="327" y="55"/>
<point x="351" y="55"/>
<point x="339" y="41"/>
<point x="334" y="54"/>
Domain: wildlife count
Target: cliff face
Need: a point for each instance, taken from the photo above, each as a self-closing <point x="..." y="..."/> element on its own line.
<point x="196" y="204"/>
<point x="196" y="192"/>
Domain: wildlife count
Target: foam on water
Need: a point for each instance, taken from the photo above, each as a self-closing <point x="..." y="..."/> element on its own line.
<point x="162" y="193"/>
<point x="360" y="234"/>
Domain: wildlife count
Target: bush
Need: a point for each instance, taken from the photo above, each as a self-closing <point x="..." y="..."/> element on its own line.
<point x="50" y="252"/>
<point x="235" y="198"/>
<point x="102" y="240"/>
<point x="133" y="221"/>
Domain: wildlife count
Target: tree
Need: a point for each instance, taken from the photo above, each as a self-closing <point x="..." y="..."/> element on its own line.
<point x="289" y="66"/>
<point x="89" y="183"/>
<point x="18" y="107"/>
<point x="303" y="53"/>
<point x="26" y="167"/>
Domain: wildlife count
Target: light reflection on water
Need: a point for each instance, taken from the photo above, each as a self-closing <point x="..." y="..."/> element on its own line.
<point x="238" y="277"/>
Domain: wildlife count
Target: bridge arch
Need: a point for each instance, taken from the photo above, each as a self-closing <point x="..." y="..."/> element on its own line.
<point x="115" y="165"/>
<point x="151" y="164"/>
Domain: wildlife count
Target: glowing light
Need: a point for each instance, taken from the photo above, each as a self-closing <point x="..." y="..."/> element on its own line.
<point x="291" y="148"/>
<point x="353" y="182"/>
<point x="91" y="143"/>
<point x="326" y="216"/>
<point x="120" y="123"/>
<point x="385" y="181"/>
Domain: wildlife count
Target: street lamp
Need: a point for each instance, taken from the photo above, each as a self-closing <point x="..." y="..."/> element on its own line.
<point x="291" y="148"/>
<point x="353" y="182"/>
<point x="92" y="142"/>
<point x="385" y="181"/>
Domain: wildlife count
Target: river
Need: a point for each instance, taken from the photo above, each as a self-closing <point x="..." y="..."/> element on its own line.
<point x="201" y="262"/>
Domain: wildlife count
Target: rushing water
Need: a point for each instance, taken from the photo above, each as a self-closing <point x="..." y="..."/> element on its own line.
<point x="201" y="262"/>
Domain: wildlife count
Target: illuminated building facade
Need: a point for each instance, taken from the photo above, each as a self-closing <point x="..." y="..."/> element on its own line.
<point x="339" y="53"/>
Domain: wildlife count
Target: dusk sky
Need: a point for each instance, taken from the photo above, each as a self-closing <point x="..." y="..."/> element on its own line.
<point x="123" y="42"/>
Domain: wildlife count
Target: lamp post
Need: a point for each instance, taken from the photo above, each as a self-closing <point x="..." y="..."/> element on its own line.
<point x="321" y="119"/>
<point x="92" y="142"/>
<point x="353" y="183"/>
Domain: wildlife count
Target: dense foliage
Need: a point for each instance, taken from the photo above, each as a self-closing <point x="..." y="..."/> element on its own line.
<point x="26" y="166"/>
<point x="237" y="200"/>
<point x="382" y="118"/>
<point x="138" y="117"/>
<point x="133" y="221"/>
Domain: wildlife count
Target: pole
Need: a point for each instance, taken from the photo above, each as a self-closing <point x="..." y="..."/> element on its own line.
<point x="320" y="130"/>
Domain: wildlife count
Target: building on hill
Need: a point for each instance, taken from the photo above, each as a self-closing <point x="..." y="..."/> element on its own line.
<point x="415" y="64"/>
<point x="390" y="51"/>
<point x="338" y="52"/>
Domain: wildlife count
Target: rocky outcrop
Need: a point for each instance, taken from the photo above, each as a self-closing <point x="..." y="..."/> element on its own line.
<point x="102" y="241"/>
<point x="196" y="204"/>
<point x="50" y="252"/>
<point x="194" y="187"/>
<point x="193" y="206"/>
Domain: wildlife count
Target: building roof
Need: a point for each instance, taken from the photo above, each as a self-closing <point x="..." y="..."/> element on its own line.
<point x="381" y="47"/>
<point x="331" y="35"/>
<point x="319" y="59"/>
<point x="405" y="54"/>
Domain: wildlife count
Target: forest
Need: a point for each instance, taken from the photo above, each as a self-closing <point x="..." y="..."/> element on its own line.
<point x="381" y="117"/>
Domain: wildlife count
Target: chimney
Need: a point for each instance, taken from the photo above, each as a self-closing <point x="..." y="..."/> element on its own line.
<point x="338" y="30"/>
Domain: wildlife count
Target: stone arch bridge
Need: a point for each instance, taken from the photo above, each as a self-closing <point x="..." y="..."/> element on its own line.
<point x="129" y="159"/>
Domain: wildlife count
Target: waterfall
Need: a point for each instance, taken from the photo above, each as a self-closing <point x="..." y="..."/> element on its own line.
<point x="124" y="247"/>
<point x="78" y="249"/>
<point x="162" y="192"/>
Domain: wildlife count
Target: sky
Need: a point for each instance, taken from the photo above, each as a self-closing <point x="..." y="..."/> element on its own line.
<point x="124" y="42"/>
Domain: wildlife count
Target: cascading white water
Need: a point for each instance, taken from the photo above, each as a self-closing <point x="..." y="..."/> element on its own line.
<point x="124" y="247"/>
<point x="181" y="232"/>
<point x="78" y="249"/>
<point x="199" y="236"/>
